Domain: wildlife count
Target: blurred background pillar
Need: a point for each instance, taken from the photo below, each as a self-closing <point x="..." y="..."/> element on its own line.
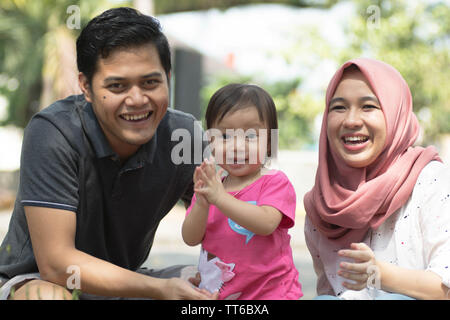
<point x="188" y="81"/>
<point x="145" y="6"/>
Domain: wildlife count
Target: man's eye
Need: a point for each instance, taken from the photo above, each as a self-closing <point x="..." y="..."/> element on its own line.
<point x="151" y="82"/>
<point x="116" y="86"/>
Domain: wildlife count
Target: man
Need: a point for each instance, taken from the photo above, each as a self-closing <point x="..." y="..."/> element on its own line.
<point x="97" y="175"/>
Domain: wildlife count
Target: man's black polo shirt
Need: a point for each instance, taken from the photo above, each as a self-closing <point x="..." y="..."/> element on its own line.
<point x="68" y="164"/>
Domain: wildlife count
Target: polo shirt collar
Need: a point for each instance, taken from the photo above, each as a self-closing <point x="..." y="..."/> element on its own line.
<point x="95" y="133"/>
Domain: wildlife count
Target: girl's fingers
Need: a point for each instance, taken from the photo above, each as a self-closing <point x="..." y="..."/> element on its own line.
<point x="219" y="173"/>
<point x="203" y="176"/>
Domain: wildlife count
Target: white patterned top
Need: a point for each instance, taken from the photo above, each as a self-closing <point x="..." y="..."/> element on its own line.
<point x="417" y="236"/>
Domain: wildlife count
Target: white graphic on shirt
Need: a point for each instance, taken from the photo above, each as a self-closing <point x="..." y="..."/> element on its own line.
<point x="215" y="273"/>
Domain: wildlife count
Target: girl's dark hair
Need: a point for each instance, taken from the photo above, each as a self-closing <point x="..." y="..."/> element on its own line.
<point x="119" y="28"/>
<point x="235" y="96"/>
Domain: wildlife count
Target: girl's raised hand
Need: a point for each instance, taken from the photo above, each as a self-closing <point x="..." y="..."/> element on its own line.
<point x="211" y="186"/>
<point x="198" y="184"/>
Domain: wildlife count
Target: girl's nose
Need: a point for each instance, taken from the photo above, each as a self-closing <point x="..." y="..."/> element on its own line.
<point x="239" y="143"/>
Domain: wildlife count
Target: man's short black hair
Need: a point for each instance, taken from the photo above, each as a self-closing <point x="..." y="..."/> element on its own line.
<point x="119" y="28"/>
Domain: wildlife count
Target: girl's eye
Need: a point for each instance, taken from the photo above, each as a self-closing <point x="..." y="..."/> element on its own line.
<point x="226" y="136"/>
<point x="251" y="136"/>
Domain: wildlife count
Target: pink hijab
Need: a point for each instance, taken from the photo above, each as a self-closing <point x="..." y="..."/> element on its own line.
<point x="344" y="214"/>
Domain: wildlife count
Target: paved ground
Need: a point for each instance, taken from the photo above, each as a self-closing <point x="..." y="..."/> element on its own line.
<point x="169" y="248"/>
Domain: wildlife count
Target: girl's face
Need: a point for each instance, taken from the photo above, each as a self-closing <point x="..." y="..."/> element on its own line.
<point x="240" y="144"/>
<point x="356" y="127"/>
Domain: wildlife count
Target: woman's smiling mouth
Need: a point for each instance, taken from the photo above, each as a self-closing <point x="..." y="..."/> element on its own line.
<point x="354" y="142"/>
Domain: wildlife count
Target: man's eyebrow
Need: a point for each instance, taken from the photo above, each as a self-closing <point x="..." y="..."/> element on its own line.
<point x="149" y="75"/>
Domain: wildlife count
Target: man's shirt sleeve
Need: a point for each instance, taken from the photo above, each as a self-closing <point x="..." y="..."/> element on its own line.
<point x="48" y="174"/>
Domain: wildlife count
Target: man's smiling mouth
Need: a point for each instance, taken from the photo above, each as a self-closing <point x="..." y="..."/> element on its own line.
<point x="136" y="117"/>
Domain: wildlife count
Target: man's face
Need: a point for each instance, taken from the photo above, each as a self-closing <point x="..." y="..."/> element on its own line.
<point x="129" y="95"/>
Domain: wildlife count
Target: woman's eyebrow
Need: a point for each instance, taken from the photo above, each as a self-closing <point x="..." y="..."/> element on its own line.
<point x="370" y="98"/>
<point x="337" y="99"/>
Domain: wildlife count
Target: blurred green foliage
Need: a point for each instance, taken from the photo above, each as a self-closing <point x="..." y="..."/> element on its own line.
<point x="169" y="6"/>
<point x="414" y="37"/>
<point x="26" y="27"/>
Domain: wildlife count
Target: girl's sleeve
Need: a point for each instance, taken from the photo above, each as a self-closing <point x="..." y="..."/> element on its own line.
<point x="279" y="193"/>
<point x="435" y="223"/>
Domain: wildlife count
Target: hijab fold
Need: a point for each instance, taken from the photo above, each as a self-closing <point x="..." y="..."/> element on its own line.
<point x="346" y="202"/>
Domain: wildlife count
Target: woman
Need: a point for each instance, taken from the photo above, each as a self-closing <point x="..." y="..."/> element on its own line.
<point x="378" y="216"/>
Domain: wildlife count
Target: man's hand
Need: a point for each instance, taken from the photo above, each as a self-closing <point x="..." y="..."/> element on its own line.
<point x="359" y="270"/>
<point x="178" y="289"/>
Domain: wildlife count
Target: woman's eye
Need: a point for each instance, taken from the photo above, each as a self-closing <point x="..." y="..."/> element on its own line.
<point x="337" y="108"/>
<point x="370" y="107"/>
<point x="226" y="136"/>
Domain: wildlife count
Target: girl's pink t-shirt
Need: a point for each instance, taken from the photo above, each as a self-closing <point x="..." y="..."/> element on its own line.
<point x="254" y="266"/>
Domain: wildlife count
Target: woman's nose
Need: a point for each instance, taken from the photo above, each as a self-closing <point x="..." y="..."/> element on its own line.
<point x="352" y="119"/>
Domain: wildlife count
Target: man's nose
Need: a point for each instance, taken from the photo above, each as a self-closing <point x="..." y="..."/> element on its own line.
<point x="136" y="97"/>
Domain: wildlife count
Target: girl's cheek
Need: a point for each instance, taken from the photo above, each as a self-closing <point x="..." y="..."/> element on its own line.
<point x="218" y="153"/>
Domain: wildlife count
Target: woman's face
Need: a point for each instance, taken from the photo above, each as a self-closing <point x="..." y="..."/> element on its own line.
<point x="356" y="127"/>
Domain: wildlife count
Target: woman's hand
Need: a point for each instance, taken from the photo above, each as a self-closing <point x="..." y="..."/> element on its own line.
<point x="361" y="269"/>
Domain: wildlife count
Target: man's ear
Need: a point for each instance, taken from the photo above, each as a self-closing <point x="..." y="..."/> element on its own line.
<point x="85" y="86"/>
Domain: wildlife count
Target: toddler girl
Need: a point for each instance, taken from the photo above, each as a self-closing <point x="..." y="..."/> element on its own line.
<point x="242" y="220"/>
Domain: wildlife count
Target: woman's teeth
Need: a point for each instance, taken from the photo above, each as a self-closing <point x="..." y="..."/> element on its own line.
<point x="355" y="140"/>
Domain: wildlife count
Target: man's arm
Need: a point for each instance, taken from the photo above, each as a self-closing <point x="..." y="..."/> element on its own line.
<point x="52" y="234"/>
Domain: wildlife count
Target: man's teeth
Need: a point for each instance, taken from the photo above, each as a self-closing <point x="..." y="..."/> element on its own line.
<point x="135" y="117"/>
<point x="358" y="139"/>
